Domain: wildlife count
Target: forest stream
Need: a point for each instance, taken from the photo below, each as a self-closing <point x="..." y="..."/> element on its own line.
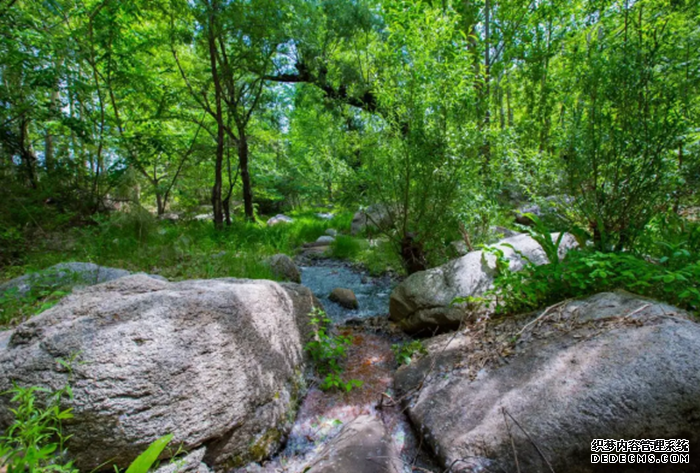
<point x="322" y="414"/>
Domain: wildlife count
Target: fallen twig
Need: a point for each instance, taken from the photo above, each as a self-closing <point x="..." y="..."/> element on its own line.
<point x="534" y="444"/>
<point x="542" y="315"/>
<point x="512" y="442"/>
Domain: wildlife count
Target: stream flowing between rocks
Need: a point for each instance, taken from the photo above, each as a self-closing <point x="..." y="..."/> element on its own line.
<point x="322" y="414"/>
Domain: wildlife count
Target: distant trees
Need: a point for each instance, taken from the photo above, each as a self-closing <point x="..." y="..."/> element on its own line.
<point x="442" y="111"/>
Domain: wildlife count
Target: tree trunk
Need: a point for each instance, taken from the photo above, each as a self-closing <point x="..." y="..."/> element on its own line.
<point x="412" y="254"/>
<point x="216" y="202"/>
<point x="160" y="203"/>
<point x="245" y="175"/>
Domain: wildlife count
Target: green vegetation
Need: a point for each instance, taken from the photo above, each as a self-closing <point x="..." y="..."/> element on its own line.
<point x="669" y="272"/>
<point x="328" y="352"/>
<point x="447" y="114"/>
<point x="404" y="352"/>
<point x="377" y="256"/>
<point x="35" y="441"/>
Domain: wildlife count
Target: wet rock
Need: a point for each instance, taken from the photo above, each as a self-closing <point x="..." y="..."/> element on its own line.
<point x="325" y="216"/>
<point x="214" y="362"/>
<point x="279" y="218"/>
<point x="325" y="240"/>
<point x="613" y="366"/>
<point x="283" y="266"/>
<point x="373" y="217"/>
<point x="423" y="301"/>
<point x="344" y="297"/>
<point x="362" y="446"/>
<point x="66" y="275"/>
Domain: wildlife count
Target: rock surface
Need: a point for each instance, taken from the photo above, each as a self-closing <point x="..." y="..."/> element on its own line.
<point x="332" y="232"/>
<point x="344" y="297"/>
<point x="613" y="366"/>
<point x="362" y="446"/>
<point x="284" y="267"/>
<point x="325" y="239"/>
<point x="190" y="463"/>
<point x="375" y="216"/>
<point x="66" y="274"/>
<point x="423" y="300"/>
<point x="217" y="363"/>
<point x="279" y="218"/>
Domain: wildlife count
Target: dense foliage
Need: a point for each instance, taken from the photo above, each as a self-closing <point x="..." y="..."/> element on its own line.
<point x="446" y="114"/>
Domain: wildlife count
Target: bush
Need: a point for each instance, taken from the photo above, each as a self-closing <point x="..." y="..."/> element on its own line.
<point x="674" y="279"/>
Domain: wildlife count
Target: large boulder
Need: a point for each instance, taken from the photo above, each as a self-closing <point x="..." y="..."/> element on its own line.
<point x="284" y="267"/>
<point x="373" y="217"/>
<point x="66" y="275"/>
<point x="364" y="445"/>
<point x="423" y="301"/>
<point x="217" y="363"/>
<point x="613" y="366"/>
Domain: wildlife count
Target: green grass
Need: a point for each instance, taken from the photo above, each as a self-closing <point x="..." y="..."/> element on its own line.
<point x="137" y="241"/>
<point x="377" y="256"/>
<point x="346" y="247"/>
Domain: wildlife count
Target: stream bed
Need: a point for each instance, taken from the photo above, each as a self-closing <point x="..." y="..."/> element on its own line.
<point x="322" y="414"/>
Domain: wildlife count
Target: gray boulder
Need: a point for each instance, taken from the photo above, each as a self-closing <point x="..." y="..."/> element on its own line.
<point x="66" y="275"/>
<point x="325" y="215"/>
<point x="332" y="232"/>
<point x="283" y="266"/>
<point x="279" y="218"/>
<point x="364" y="445"/>
<point x="613" y="366"/>
<point x="217" y="363"/>
<point x="375" y="217"/>
<point x="325" y="239"/>
<point x="423" y="301"/>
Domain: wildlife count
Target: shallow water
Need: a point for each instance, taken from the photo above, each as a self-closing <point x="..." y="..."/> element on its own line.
<point x="372" y="293"/>
<point x="322" y="414"/>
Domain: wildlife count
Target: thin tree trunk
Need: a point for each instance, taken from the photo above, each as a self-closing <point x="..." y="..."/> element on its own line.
<point x="245" y="175"/>
<point x="216" y="201"/>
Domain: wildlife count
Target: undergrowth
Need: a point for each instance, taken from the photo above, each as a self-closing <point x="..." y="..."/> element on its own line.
<point x="670" y="272"/>
<point x="328" y="351"/>
<point x="35" y="441"/>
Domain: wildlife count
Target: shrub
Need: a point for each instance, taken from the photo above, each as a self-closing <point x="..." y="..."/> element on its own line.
<point x="585" y="272"/>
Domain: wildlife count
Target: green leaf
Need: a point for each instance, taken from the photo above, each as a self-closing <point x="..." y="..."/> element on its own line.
<point x="144" y="461"/>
